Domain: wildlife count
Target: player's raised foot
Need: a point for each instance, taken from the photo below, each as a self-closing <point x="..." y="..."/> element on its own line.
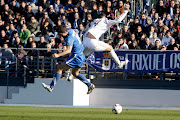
<point x="90" y="89"/>
<point x="122" y="63"/>
<point x="47" y="87"/>
<point x="70" y="78"/>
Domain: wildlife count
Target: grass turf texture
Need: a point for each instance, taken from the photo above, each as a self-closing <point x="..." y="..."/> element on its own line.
<point x="60" y="113"/>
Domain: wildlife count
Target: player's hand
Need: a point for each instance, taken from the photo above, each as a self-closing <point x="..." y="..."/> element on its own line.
<point x="55" y="55"/>
<point x="126" y="7"/>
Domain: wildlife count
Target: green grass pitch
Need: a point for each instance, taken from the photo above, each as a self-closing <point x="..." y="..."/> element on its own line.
<point x="71" y="113"/>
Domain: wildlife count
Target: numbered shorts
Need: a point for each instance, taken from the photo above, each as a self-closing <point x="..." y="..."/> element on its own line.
<point x="91" y="45"/>
<point x="75" y="60"/>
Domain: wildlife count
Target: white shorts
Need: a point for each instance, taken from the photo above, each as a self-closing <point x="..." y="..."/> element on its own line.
<point x="92" y="45"/>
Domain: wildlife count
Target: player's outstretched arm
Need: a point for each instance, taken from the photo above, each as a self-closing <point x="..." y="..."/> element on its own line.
<point x="121" y="17"/>
<point x="67" y="51"/>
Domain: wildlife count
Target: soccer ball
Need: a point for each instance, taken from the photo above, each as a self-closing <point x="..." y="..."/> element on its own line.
<point x="117" y="109"/>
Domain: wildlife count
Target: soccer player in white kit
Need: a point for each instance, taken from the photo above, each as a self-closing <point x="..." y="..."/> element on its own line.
<point x="98" y="27"/>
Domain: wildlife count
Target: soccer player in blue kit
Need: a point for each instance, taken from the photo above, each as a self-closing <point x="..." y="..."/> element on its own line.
<point x="75" y="61"/>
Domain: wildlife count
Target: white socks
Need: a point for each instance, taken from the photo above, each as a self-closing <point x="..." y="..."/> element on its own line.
<point x="114" y="57"/>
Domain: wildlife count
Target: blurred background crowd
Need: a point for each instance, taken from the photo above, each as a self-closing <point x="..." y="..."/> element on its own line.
<point x="149" y="25"/>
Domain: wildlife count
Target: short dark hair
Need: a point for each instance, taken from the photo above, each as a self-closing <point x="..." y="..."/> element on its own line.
<point x="62" y="29"/>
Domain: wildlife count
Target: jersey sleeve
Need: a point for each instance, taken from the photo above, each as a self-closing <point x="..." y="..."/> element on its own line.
<point x="118" y="19"/>
<point x="69" y="40"/>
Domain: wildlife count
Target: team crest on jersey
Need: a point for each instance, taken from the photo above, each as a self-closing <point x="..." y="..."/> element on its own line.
<point x="106" y="62"/>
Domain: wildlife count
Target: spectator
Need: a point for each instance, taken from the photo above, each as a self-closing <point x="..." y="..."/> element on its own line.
<point x="30" y="40"/>
<point x="126" y="33"/>
<point x="84" y="14"/>
<point x="152" y="30"/>
<point x="45" y="4"/>
<point x="176" y="14"/>
<point x="29" y="13"/>
<point x="177" y="38"/>
<point x="24" y="34"/>
<point x="6" y="12"/>
<point x="121" y="45"/>
<point x="133" y="38"/>
<point x="33" y="26"/>
<point x="171" y="8"/>
<point x="39" y="14"/>
<point x="63" y="19"/>
<point x="47" y="58"/>
<point x="160" y="8"/>
<point x="134" y="45"/>
<point x="120" y="8"/>
<point x="147" y="27"/>
<point x="142" y="21"/>
<point x="53" y="43"/>
<point x="156" y="19"/>
<point x="57" y="26"/>
<point x="17" y="42"/>
<point x="157" y="45"/>
<point x="77" y="21"/>
<point x="1" y="25"/>
<point x="166" y="21"/>
<point x="81" y="32"/>
<point x="148" y="45"/>
<point x="154" y="38"/>
<point x="7" y="55"/>
<point x="42" y="43"/>
<point x="171" y="26"/>
<point x="116" y="39"/>
<point x="167" y="38"/>
<point x="172" y="44"/>
<point x="46" y="29"/>
<point x="163" y="47"/>
<point x="152" y="14"/>
<point x="57" y="5"/>
<point x="13" y="39"/>
<point x="134" y="25"/>
<point x="165" y="29"/>
<point x="22" y="8"/>
<point x="88" y="21"/>
<point x="3" y="38"/>
<point x="44" y="19"/>
<point x="69" y="4"/>
<point x="52" y="14"/>
<point x="94" y="11"/>
<point x="13" y="30"/>
<point x="160" y="26"/>
<point x="14" y="7"/>
<point x="139" y="33"/>
<point x="21" y="54"/>
<point x="20" y="24"/>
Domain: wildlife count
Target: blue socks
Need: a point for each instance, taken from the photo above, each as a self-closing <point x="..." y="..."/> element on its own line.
<point x="83" y="79"/>
<point x="56" y="77"/>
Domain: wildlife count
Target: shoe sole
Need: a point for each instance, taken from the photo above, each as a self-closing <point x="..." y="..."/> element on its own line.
<point x="91" y="89"/>
<point x="43" y="84"/>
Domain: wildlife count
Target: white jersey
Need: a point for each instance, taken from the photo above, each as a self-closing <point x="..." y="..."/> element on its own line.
<point x="100" y="26"/>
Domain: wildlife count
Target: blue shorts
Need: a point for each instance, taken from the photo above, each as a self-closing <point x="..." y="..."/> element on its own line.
<point x="75" y="60"/>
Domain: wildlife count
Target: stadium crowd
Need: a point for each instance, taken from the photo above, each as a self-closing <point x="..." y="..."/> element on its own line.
<point x="147" y="28"/>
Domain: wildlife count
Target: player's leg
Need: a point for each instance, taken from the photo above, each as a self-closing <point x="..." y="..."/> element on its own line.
<point x="102" y="46"/>
<point x="56" y="77"/>
<point x="77" y="74"/>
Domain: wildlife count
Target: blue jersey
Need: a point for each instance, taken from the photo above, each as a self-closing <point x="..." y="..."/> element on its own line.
<point x="73" y="40"/>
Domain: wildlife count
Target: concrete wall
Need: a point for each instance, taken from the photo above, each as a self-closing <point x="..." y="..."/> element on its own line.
<point x="3" y="92"/>
<point x="64" y="93"/>
<point x="135" y="97"/>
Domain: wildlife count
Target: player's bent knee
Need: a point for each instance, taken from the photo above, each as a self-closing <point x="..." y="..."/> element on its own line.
<point x="75" y="73"/>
